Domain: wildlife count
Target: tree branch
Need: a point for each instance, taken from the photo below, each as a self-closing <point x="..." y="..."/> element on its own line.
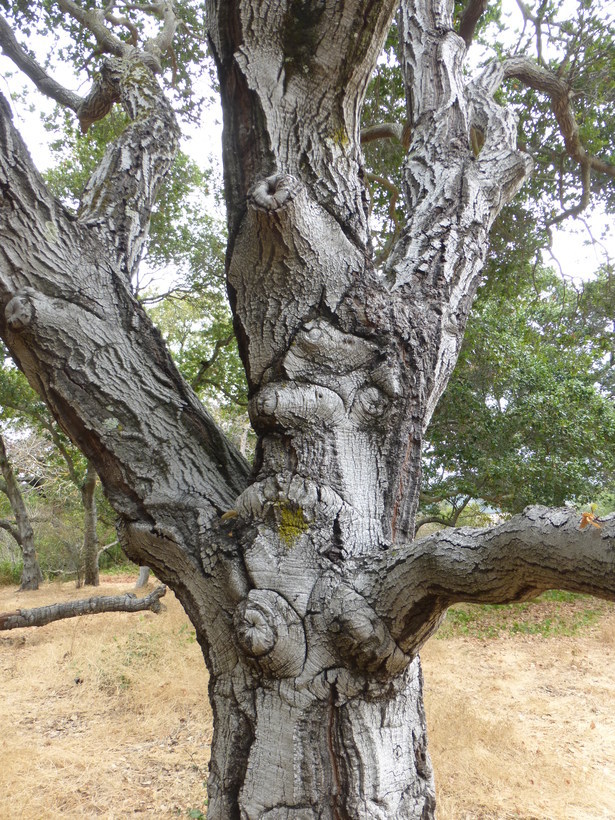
<point x="147" y="146"/>
<point x="40" y="616"/>
<point x="104" y="371"/>
<point x="93" y="20"/>
<point x="7" y="525"/>
<point x="107" y="547"/>
<point x="382" y="131"/>
<point x="199" y="379"/>
<point x="469" y="20"/>
<point x="537" y="550"/>
<point x="45" y="84"/>
<point x="159" y="45"/>
<point x="545" y="81"/>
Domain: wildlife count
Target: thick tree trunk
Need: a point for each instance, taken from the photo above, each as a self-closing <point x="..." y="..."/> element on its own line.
<point x="22" y="531"/>
<point x="318" y="750"/>
<point x="90" y="538"/>
<point x="345" y="365"/>
<point x="308" y="595"/>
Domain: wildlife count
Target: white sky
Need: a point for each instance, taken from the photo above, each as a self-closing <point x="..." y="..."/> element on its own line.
<point x="574" y="255"/>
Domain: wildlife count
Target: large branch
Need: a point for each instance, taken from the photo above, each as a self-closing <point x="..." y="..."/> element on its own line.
<point x="293" y="78"/>
<point x="121" y="193"/>
<point x="46" y="84"/>
<point x="452" y="195"/>
<point x="43" y="615"/>
<point x="537" y="550"/>
<point x="89" y="349"/>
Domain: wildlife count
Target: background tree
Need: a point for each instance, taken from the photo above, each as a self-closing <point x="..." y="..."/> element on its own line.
<point x="309" y="596"/>
<point x="50" y="467"/>
<point x="20" y="528"/>
<point x="527" y="416"/>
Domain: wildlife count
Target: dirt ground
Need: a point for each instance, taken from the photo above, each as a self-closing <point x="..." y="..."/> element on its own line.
<point x="106" y="716"/>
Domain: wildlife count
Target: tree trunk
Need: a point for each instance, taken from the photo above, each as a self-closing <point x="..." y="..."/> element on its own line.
<point x="90" y="538"/>
<point x="22" y="531"/>
<point x="143" y="577"/>
<point x="308" y="595"/>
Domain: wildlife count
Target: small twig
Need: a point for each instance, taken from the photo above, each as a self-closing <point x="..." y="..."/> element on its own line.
<point x="106" y="547"/>
<point x="199" y="379"/>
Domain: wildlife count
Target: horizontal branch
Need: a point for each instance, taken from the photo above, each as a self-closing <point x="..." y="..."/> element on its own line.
<point x="545" y="81"/>
<point x="540" y="549"/>
<point x="40" y="616"/>
<point x="382" y="131"/>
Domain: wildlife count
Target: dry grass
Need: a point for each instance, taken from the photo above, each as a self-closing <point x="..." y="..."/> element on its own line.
<point x="523" y="727"/>
<point x="103" y="716"/>
<point x="107" y="716"/>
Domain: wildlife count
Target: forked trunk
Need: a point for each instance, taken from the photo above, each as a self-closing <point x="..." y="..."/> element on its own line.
<point x="345" y="364"/>
<point x="309" y="597"/>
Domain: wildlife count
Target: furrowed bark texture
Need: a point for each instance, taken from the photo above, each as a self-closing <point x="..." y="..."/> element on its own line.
<point x="22" y="531"/>
<point x="43" y="615"/>
<point x="345" y="364"/>
<point x="309" y="597"/>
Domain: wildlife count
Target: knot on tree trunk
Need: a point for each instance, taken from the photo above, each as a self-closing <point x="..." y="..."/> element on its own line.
<point x="274" y="191"/>
<point x="19" y="312"/>
<point x="289" y="405"/>
<point x="104" y="92"/>
<point x="270" y="633"/>
<point x="358" y="633"/>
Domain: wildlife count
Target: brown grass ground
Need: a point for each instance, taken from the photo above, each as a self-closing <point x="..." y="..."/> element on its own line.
<point x="107" y="716"/>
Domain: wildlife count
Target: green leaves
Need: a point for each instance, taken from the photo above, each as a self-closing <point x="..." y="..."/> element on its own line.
<point x="528" y="415"/>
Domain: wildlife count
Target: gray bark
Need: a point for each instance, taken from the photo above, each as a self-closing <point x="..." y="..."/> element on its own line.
<point x="21" y="531"/>
<point x="43" y="615"/>
<point x="90" y="538"/>
<point x="143" y="577"/>
<point x="308" y="595"/>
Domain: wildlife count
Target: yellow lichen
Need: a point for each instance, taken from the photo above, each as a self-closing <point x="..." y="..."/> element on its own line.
<point x="340" y="137"/>
<point x="291" y="524"/>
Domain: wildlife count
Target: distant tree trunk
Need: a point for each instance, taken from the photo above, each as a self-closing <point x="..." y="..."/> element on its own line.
<point x="22" y="532"/>
<point x="90" y="539"/>
<point x="143" y="577"/>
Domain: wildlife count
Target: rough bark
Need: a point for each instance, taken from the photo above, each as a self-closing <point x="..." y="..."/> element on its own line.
<point x="308" y="595"/>
<point x="90" y="538"/>
<point x="43" y="615"/>
<point x="21" y="531"/>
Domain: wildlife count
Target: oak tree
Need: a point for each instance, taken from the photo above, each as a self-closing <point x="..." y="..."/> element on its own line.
<point x="309" y="595"/>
